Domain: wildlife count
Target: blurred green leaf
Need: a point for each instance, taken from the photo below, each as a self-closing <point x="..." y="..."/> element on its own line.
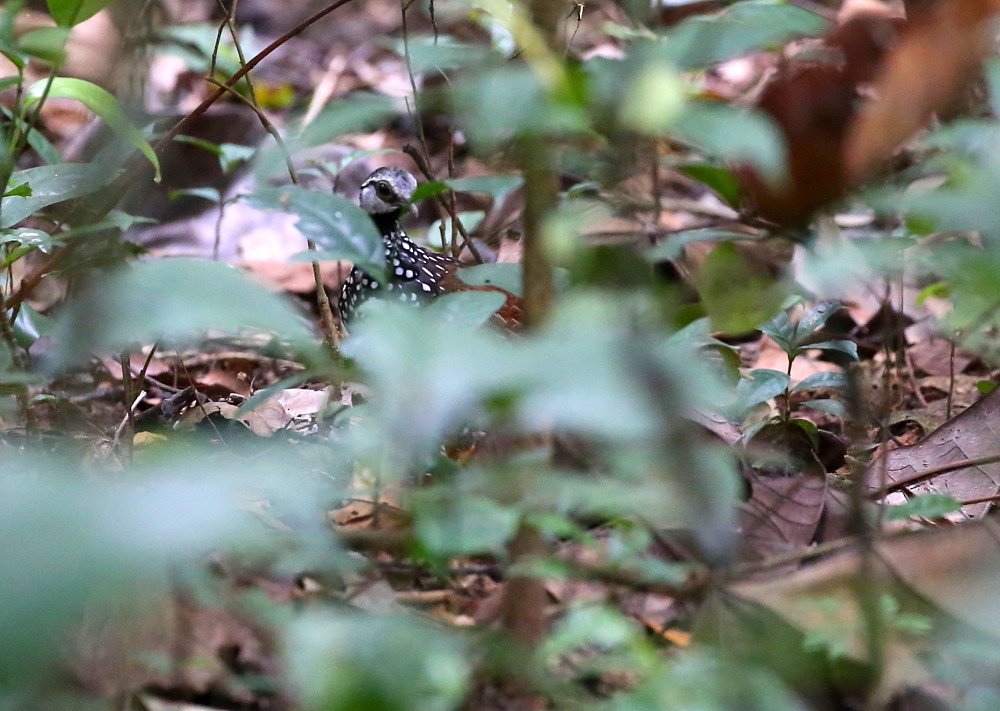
<point x="443" y="52"/>
<point x="350" y="662"/>
<point x="924" y="505"/>
<point x="506" y="276"/>
<point x="718" y="178"/>
<point x="706" y="39"/>
<point x="340" y="228"/>
<point x="824" y="379"/>
<point x="448" y="525"/>
<point x="761" y="385"/>
<point x="348" y="114"/>
<point x="814" y="319"/>
<point x="841" y="345"/>
<point x="653" y="100"/>
<point x="673" y="245"/>
<point x="497" y="104"/>
<point x="67" y="13"/>
<point x="46" y="43"/>
<point x="51" y="184"/>
<point x="736" y="297"/>
<point x="173" y="299"/>
<point x="73" y="541"/>
<point x="827" y="405"/>
<point x="696" y="680"/>
<point x="102" y="103"/>
<point x="733" y="134"/>
<point x="470" y="309"/>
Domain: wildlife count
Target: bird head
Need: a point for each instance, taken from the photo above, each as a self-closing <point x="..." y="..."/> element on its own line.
<point x="387" y="191"/>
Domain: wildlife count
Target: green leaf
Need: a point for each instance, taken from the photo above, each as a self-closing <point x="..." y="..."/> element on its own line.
<point x="46" y="43"/>
<point x="339" y="227"/>
<point x="843" y="346"/>
<point x="761" y="385"/>
<point x="702" y="40"/>
<point x="737" y="135"/>
<point x="174" y="299"/>
<point x="101" y="103"/>
<point x="466" y="309"/>
<point x="985" y="386"/>
<point x="825" y="379"/>
<point x="654" y="98"/>
<point x="939" y="289"/>
<point x="716" y="177"/>
<point x="36" y="139"/>
<point x="782" y="331"/>
<point x="827" y="405"/>
<point x="737" y="297"/>
<point x="814" y="319"/>
<point x="444" y="52"/>
<point x="51" y="184"/>
<point x="345" y="662"/>
<point x="674" y="244"/>
<point x="506" y="276"/>
<point x="348" y="114"/>
<point x="925" y="505"/>
<point x="67" y="13"/>
<point x="22" y="190"/>
<point x="208" y="193"/>
<point x="448" y="525"/>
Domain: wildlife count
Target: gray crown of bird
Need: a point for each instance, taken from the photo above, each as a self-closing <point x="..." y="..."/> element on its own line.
<point x="413" y="271"/>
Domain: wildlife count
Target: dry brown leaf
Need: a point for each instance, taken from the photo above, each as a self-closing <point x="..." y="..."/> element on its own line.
<point x="970" y="435"/>
<point x="781" y="515"/>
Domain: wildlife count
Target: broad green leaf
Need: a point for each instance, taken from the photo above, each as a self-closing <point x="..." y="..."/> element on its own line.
<point x="51" y="184"/>
<point x="46" y="43"/>
<point x="506" y="276"/>
<point x="736" y="297"/>
<point x="348" y="114"/>
<point x="761" y="385"/>
<point x="448" y="526"/>
<point x="653" y="100"/>
<point x="496" y="186"/>
<point x="496" y="104"/>
<point x="466" y="309"/>
<point x="36" y="139"/>
<point x="825" y="379"/>
<point x="349" y="662"/>
<point x="67" y="13"/>
<point x="341" y="229"/>
<point x="207" y="193"/>
<point x="702" y="40"/>
<point x="716" y="177"/>
<point x="813" y="320"/>
<point x="173" y="299"/>
<point x="73" y="541"/>
<point x="841" y="345"/>
<point x="674" y="244"/>
<point x="827" y="405"/>
<point x="101" y="103"/>
<point x="441" y="53"/>
<point x="782" y="331"/>
<point x="924" y="505"/>
<point x="732" y="134"/>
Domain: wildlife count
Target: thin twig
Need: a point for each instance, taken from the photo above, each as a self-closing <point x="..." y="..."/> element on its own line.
<point x="926" y="474"/>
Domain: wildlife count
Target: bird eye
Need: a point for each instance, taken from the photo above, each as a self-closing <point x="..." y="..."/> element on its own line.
<point x="383" y="190"/>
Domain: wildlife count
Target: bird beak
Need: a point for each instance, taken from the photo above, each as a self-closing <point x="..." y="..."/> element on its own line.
<point x="412" y="209"/>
